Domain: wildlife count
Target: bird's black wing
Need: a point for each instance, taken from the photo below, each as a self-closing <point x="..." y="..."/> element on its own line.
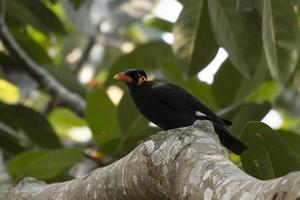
<point x="181" y="101"/>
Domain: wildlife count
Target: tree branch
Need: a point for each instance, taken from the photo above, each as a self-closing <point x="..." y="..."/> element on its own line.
<point x="185" y="163"/>
<point x="40" y="75"/>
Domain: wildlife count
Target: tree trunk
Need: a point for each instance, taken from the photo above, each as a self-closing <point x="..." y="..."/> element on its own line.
<point x="185" y="163"/>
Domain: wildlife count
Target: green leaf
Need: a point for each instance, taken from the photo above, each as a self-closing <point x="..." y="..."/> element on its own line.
<point x="202" y="91"/>
<point x="293" y="140"/>
<point x="268" y="155"/>
<point x="240" y="115"/>
<point x="238" y="32"/>
<point x="34" y="125"/>
<point x="249" y="85"/>
<point x="42" y="164"/>
<point x="31" y="47"/>
<point x="226" y="84"/>
<point x="102" y="118"/>
<point x="172" y="72"/>
<point x="146" y="56"/>
<point x="9" y="143"/>
<point x="160" y="24"/>
<point x="267" y="91"/>
<point x="35" y="13"/>
<point x="63" y="120"/>
<point x="280" y="38"/>
<point x="194" y="42"/>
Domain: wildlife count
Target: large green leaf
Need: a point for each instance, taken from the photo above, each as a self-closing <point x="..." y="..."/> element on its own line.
<point x="238" y="32"/>
<point x="146" y="56"/>
<point x="226" y="84"/>
<point x="240" y="115"/>
<point x="194" y="42"/>
<point x="9" y="143"/>
<point x="292" y="138"/>
<point x="42" y="164"/>
<point x="172" y="72"/>
<point x="34" y="13"/>
<point x="102" y="118"/>
<point x="268" y="155"/>
<point x="280" y="38"/>
<point x="267" y="91"/>
<point x="33" y="124"/>
<point x="249" y="85"/>
<point x="31" y="47"/>
<point x="202" y="91"/>
<point x="63" y="120"/>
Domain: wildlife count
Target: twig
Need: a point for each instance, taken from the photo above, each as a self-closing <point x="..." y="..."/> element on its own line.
<point x="86" y="52"/>
<point x="40" y="75"/>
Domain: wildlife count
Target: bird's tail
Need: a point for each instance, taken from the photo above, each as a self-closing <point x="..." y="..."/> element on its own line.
<point x="228" y="140"/>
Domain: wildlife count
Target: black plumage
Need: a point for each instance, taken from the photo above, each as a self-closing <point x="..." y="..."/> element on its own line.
<point x="170" y="106"/>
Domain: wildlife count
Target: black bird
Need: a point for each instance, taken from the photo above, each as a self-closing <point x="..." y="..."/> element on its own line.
<point x="170" y="106"/>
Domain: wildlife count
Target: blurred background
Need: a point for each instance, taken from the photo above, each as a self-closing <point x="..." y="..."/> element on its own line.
<point x="239" y="57"/>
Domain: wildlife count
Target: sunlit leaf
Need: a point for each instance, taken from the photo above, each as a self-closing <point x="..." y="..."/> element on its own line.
<point x="194" y="42"/>
<point x="9" y="93"/>
<point x="160" y="24"/>
<point x="238" y="32"/>
<point x="32" y="48"/>
<point x="35" y="13"/>
<point x="268" y="155"/>
<point x="63" y="120"/>
<point x="267" y="91"/>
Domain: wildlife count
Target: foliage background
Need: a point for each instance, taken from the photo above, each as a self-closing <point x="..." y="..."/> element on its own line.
<point x="83" y="43"/>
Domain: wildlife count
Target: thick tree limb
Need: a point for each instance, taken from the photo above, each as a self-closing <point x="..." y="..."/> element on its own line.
<point x="40" y="75"/>
<point x="186" y="163"/>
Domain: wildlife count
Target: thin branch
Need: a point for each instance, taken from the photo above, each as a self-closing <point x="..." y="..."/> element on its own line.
<point x="185" y="163"/>
<point x="40" y="75"/>
<point x="86" y="52"/>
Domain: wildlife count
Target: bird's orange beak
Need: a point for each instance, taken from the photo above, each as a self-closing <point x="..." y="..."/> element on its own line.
<point x="122" y="77"/>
